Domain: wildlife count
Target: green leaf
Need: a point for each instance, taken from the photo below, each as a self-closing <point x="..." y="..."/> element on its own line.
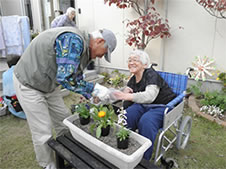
<point x="98" y="131"/>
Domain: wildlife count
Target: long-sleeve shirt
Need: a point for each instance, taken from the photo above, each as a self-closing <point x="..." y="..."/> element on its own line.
<point x="147" y="96"/>
<point x="62" y="20"/>
<point x="151" y="89"/>
<point x="69" y="47"/>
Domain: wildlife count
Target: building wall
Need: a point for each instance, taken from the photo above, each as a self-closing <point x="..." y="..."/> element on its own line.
<point x="12" y="7"/>
<point x="203" y="35"/>
<point x="17" y="7"/>
<point x="99" y="15"/>
<point x="37" y="15"/>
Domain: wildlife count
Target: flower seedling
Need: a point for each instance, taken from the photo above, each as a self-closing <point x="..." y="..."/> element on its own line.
<point x="83" y="109"/>
<point x="123" y="133"/>
<point x="103" y="117"/>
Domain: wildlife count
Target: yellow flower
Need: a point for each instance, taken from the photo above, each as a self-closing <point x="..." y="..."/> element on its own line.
<point x="218" y="78"/>
<point x="101" y="114"/>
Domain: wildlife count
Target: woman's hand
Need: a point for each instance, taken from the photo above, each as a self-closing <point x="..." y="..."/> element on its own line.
<point x="122" y="96"/>
<point x="128" y="90"/>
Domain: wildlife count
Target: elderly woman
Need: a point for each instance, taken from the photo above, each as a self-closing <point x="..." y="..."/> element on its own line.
<point x="145" y="98"/>
<point x="65" y="19"/>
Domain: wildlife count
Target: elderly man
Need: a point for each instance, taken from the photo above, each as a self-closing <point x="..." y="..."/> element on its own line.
<point x="57" y="57"/>
<point x="65" y="19"/>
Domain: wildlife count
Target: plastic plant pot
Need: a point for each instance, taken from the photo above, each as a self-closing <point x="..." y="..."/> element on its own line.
<point x="123" y="144"/>
<point x="105" y="131"/>
<point x="84" y="121"/>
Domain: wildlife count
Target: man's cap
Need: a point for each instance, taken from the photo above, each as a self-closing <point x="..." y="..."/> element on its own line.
<point x="111" y="42"/>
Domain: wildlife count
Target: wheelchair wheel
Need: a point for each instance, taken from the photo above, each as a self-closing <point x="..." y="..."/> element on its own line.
<point x="184" y="132"/>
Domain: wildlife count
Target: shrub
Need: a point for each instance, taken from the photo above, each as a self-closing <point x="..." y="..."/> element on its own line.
<point x="222" y="77"/>
<point x="214" y="98"/>
<point x="106" y="76"/>
<point x="196" y="90"/>
<point x="117" y="79"/>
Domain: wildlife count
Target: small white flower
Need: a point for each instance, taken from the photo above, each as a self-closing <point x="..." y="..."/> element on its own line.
<point x="122" y="118"/>
<point x="212" y="110"/>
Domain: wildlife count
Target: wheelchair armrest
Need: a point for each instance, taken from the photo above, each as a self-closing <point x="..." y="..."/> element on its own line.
<point x="176" y="100"/>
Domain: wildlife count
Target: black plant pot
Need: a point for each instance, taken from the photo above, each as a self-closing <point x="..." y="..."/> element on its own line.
<point x="84" y="121"/>
<point x="105" y="131"/>
<point x="122" y="144"/>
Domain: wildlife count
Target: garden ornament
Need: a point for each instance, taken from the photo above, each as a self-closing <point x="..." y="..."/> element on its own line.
<point x="201" y="67"/>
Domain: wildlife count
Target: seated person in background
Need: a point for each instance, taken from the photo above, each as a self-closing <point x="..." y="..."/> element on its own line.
<point x="145" y="98"/>
<point x="8" y="88"/>
<point x="65" y="19"/>
<point x="7" y="79"/>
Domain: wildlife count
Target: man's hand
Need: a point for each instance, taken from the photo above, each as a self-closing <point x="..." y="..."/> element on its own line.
<point x="101" y="92"/>
<point x="96" y="100"/>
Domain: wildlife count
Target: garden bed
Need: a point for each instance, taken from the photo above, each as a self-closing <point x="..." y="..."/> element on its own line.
<point x="193" y="104"/>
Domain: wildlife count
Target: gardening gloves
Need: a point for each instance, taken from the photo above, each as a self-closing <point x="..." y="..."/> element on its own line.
<point x="101" y="92"/>
<point x="103" y="95"/>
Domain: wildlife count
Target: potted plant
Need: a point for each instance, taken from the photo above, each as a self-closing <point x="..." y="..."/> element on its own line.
<point x="103" y="120"/>
<point x="83" y="109"/>
<point x="123" y="133"/>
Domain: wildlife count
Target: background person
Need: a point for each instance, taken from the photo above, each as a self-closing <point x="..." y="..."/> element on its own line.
<point x="9" y="93"/>
<point x="146" y="96"/>
<point x="7" y="77"/>
<point x="66" y="19"/>
<point x="57" y="56"/>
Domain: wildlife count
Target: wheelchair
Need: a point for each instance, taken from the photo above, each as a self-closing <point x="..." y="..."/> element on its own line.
<point x="174" y="123"/>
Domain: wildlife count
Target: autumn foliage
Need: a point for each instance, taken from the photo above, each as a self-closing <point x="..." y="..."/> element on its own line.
<point x="216" y="8"/>
<point x="149" y="25"/>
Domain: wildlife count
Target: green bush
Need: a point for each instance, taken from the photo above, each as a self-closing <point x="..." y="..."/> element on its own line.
<point x="117" y="79"/>
<point x="106" y="76"/>
<point x="196" y="90"/>
<point x="222" y="77"/>
<point x="215" y="98"/>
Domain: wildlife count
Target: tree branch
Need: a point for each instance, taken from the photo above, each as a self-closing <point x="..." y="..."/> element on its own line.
<point x="137" y="7"/>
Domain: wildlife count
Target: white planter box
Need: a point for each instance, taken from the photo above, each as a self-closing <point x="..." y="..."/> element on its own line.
<point x="112" y="155"/>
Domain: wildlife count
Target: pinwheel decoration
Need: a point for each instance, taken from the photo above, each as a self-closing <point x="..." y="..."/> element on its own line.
<point x="201" y="67"/>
